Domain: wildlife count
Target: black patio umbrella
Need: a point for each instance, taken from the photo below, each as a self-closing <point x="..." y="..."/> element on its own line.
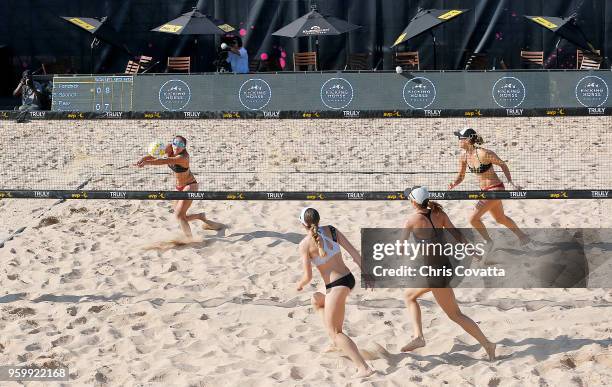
<point x="565" y="28"/>
<point x="315" y="24"/>
<point x="101" y="31"/>
<point x="194" y="23"/>
<point x="426" y="20"/>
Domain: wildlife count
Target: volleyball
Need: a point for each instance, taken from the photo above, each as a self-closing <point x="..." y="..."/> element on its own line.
<point x="157" y="149"/>
<point x="399" y="69"/>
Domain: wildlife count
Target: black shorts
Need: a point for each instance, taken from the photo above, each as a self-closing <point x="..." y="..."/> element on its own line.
<point x="348" y="281"/>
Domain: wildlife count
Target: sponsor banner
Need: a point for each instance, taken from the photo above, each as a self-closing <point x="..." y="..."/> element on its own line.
<point x="174" y="95"/>
<point x="426" y="258"/>
<point x="432" y="91"/>
<point x="255" y="94"/>
<point x="509" y="93"/>
<point x="263" y="195"/>
<point x="419" y="93"/>
<point x="329" y="114"/>
<point x="337" y="93"/>
<point x="592" y="92"/>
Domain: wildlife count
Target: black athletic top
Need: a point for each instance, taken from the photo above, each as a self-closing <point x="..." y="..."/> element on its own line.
<point x="481" y="168"/>
<point x="176" y="167"/>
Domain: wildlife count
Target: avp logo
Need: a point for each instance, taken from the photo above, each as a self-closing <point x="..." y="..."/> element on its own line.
<point x="508" y="92"/>
<point x="337" y="93"/>
<point x="174" y="95"/>
<point x="419" y="93"/>
<point x="592" y="91"/>
<point x="255" y="94"/>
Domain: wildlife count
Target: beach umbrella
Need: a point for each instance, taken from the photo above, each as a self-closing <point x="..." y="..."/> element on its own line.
<point x="194" y="23"/>
<point x="426" y="20"/>
<point x="565" y="28"/>
<point x="101" y="31"/>
<point x="315" y="24"/>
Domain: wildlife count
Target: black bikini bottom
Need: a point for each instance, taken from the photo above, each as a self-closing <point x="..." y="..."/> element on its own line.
<point x="348" y="281"/>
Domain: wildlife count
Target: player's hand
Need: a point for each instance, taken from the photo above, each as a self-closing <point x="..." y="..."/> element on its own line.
<point x="299" y="287"/>
<point x="451" y="185"/>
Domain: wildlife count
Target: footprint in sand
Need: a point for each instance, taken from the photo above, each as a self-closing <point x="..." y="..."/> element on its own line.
<point x="97" y="308"/>
<point x="75" y="274"/>
<point x="62" y="341"/>
<point x="22" y="312"/>
<point x="90" y="331"/>
<point x="33" y="347"/>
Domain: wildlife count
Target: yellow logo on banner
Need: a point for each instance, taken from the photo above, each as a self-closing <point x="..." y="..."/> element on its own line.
<point x="5" y="195"/>
<point x="450" y="14"/>
<point x="82" y="23"/>
<point x="316" y="196"/>
<point x="544" y="22"/>
<point x="400" y="39"/>
<point x="170" y="28"/>
<point x="561" y="195"/>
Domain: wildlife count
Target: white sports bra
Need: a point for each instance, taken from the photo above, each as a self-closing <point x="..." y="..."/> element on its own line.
<point x="330" y="246"/>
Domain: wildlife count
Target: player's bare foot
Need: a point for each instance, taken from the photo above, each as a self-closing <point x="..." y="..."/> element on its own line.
<point x="331" y="348"/>
<point x="490" y="348"/>
<point x="365" y="372"/>
<point x="417" y="342"/>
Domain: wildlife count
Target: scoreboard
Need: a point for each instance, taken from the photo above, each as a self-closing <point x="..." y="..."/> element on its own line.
<point x="95" y="93"/>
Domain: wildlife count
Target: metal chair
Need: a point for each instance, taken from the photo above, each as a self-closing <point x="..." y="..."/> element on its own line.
<point x="588" y="61"/>
<point x="304" y="59"/>
<point x="408" y="60"/>
<point x="134" y="67"/>
<point x="179" y="64"/>
<point x="532" y="58"/>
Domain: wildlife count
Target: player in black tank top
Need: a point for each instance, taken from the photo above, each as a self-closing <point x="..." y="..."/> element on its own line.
<point x="444" y="295"/>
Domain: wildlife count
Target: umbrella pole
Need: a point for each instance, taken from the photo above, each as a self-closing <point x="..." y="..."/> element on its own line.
<point x="317" y="66"/>
<point x="195" y="59"/>
<point x="434" y="50"/>
<point x="557" y="52"/>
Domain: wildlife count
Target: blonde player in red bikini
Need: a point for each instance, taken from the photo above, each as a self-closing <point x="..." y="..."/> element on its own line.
<point x="178" y="162"/>
<point x="480" y="161"/>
